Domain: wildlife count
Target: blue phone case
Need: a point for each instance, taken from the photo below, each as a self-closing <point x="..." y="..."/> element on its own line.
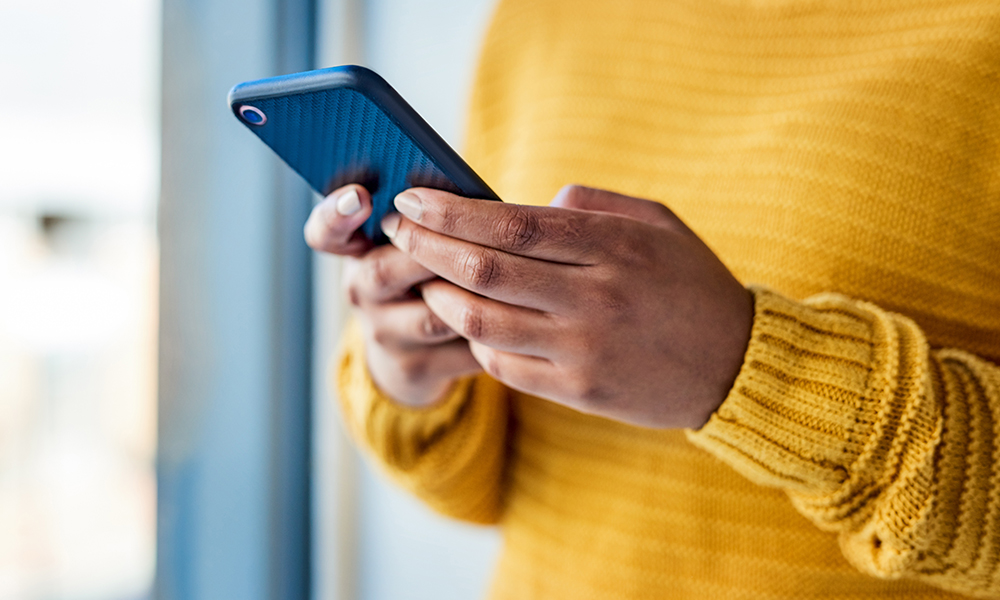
<point x="347" y="125"/>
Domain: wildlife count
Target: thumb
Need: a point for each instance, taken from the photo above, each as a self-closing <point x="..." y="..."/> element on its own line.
<point x="584" y="198"/>
<point x="334" y="225"/>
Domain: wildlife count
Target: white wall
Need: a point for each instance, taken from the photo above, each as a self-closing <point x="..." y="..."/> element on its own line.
<point x="375" y="542"/>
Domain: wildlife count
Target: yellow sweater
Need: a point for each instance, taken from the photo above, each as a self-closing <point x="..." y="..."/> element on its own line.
<point x="846" y="155"/>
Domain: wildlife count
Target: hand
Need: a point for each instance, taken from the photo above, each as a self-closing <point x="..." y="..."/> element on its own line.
<point x="601" y="302"/>
<point x="412" y="355"/>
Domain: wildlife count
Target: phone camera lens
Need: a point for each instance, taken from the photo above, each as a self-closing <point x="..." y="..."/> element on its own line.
<point x="253" y="115"/>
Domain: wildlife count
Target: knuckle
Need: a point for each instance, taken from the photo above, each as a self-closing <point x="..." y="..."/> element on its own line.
<point x="414" y="368"/>
<point x="354" y="295"/>
<point x="576" y="230"/>
<point x="586" y="391"/>
<point x="574" y="191"/>
<point x="482" y="269"/>
<point x="383" y="336"/>
<point x="447" y="216"/>
<point x="594" y="396"/>
<point x="612" y="302"/>
<point x="573" y="195"/>
<point x="409" y="238"/>
<point x="662" y="210"/>
<point x="581" y="341"/>
<point x="473" y="323"/>
<point x="605" y="300"/>
<point x="490" y="362"/>
<point x="352" y="283"/>
<point x="628" y="248"/>
<point x="433" y="327"/>
<point x="380" y="272"/>
<point x="519" y="230"/>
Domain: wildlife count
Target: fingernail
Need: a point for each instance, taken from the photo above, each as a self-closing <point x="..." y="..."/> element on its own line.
<point x="410" y="205"/>
<point x="390" y="224"/>
<point x="349" y="203"/>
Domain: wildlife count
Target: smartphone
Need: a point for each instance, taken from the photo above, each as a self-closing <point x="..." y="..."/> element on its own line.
<point x="347" y="125"/>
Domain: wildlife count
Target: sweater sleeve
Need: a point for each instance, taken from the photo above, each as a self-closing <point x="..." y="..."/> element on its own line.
<point x="450" y="455"/>
<point x="874" y="435"/>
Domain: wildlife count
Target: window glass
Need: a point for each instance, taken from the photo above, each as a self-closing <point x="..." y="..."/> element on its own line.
<point x="78" y="256"/>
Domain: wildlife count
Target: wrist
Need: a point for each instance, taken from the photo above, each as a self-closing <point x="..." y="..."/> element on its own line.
<point x="731" y="358"/>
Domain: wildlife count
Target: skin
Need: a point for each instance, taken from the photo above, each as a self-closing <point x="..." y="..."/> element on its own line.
<point x="601" y="302"/>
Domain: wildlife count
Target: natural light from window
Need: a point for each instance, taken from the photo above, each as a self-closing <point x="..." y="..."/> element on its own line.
<point x="78" y="184"/>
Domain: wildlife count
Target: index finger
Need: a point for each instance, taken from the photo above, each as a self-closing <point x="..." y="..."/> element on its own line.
<point x="547" y="233"/>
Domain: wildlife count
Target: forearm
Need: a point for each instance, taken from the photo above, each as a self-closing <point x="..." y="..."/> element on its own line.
<point x="873" y="434"/>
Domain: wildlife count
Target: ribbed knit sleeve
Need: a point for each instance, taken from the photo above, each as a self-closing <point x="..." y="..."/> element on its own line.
<point x="450" y="455"/>
<point x="874" y="435"/>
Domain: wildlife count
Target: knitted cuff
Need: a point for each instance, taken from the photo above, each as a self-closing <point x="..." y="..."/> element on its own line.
<point x="393" y="431"/>
<point x="801" y="410"/>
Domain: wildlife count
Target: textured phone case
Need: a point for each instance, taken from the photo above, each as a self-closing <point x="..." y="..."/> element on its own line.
<point x="346" y="125"/>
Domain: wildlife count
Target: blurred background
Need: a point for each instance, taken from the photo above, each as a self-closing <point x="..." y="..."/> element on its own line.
<point x="165" y="426"/>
